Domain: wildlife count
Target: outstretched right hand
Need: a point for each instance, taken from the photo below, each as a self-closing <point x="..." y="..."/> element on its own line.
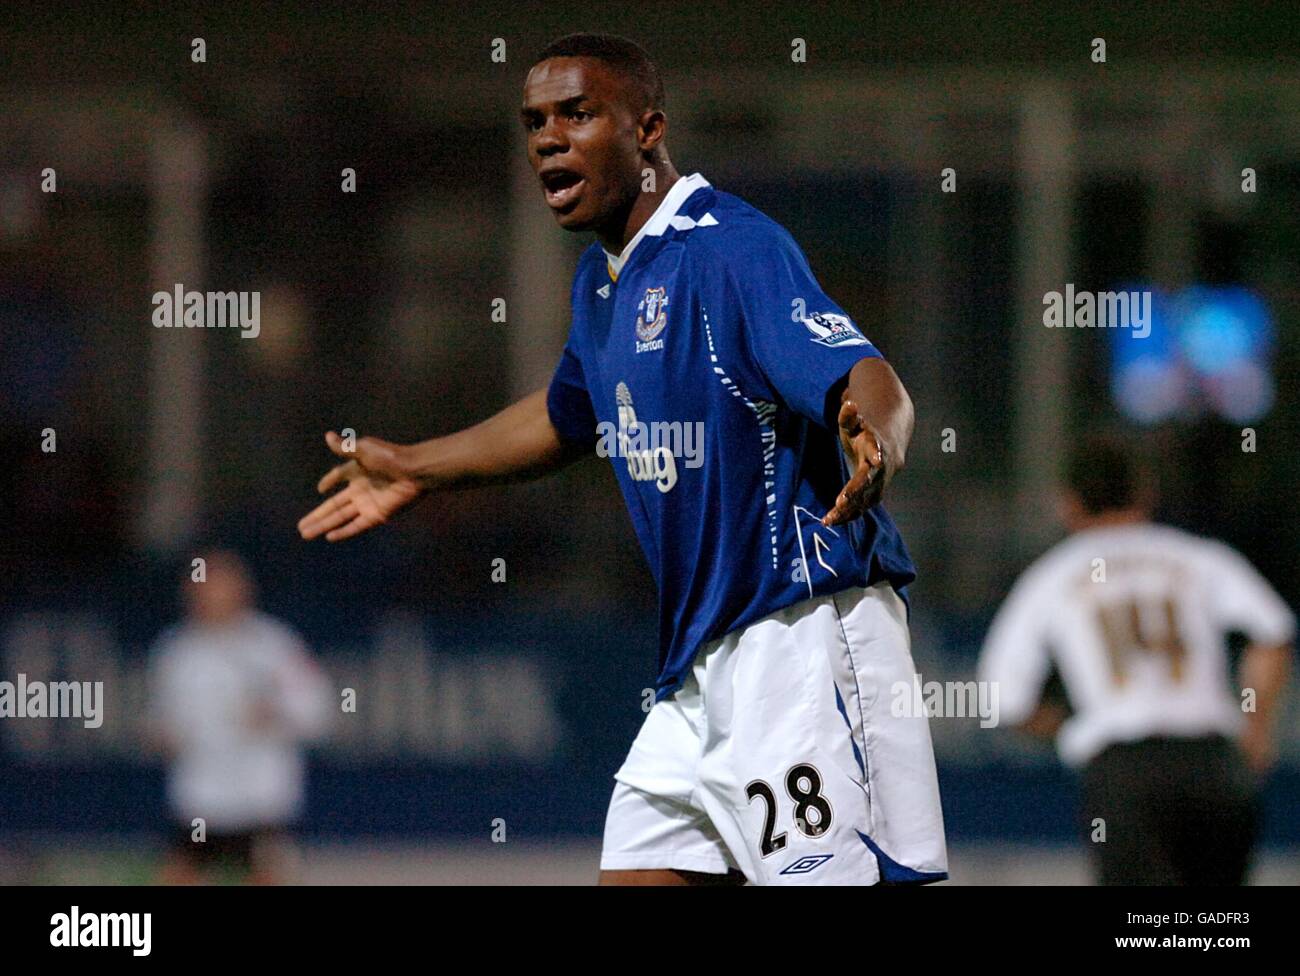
<point x="377" y="487"/>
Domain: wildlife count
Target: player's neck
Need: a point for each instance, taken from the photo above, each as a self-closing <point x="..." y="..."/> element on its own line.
<point x="621" y="232"/>
<point x="1114" y="518"/>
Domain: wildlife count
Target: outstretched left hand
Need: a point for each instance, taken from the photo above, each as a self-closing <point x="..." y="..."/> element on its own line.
<point x="872" y="469"/>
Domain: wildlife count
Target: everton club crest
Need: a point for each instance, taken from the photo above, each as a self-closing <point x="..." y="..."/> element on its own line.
<point x="651" y="317"/>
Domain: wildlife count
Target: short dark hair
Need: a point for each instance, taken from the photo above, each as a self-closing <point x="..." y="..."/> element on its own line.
<point x="1104" y="472"/>
<point x="628" y="57"/>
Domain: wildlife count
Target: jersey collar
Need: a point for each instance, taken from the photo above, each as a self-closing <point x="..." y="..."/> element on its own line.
<point x="659" y="221"/>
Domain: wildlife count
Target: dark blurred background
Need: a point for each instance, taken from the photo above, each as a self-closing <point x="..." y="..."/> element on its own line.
<point x="517" y="700"/>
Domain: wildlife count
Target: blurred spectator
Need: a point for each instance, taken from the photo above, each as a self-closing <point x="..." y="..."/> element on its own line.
<point x="236" y="695"/>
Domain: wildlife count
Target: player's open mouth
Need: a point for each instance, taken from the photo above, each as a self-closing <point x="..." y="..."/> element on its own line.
<point x="562" y="187"/>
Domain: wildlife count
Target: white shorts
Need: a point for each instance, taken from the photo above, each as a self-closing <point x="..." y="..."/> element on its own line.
<point x="779" y="756"/>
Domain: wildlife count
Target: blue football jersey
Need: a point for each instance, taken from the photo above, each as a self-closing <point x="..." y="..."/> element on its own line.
<point x="700" y="362"/>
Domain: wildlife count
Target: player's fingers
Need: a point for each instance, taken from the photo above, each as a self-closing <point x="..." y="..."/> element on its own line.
<point x="331" y="504"/>
<point x="837" y="515"/>
<point x="358" y="525"/>
<point x="332" y="477"/>
<point x="875" y="490"/>
<point x="332" y="512"/>
<point x="849" y="419"/>
<point x="329" y="479"/>
<point x="864" y="489"/>
<point x="345" y="513"/>
<point x="335" y="443"/>
<point x="869" y="448"/>
<point x="851" y="501"/>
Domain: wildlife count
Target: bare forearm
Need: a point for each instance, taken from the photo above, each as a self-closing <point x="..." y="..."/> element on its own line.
<point x="1265" y="669"/>
<point x="883" y="405"/>
<point x="1045" y="722"/>
<point x="517" y="444"/>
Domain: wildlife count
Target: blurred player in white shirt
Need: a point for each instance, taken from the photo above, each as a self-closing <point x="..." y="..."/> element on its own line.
<point x="1131" y="620"/>
<point x="236" y="695"/>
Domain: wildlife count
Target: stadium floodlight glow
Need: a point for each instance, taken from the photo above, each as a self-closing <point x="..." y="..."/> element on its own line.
<point x="1208" y="347"/>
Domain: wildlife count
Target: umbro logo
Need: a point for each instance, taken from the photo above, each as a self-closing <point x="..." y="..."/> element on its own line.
<point x="603" y="291"/>
<point x="808" y="863"/>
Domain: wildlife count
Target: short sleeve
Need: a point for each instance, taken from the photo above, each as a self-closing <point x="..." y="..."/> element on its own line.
<point x="304" y="690"/>
<point x="568" y="401"/>
<point x="1240" y="599"/>
<point x="1015" y="657"/>
<point x="801" y="341"/>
